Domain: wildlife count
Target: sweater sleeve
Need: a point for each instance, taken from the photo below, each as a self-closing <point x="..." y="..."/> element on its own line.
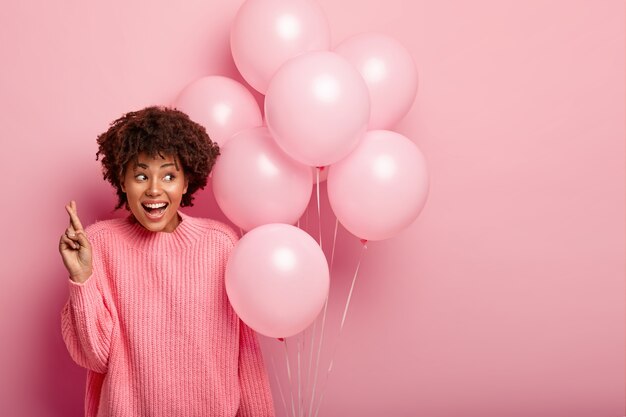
<point x="256" y="396"/>
<point x="87" y="322"/>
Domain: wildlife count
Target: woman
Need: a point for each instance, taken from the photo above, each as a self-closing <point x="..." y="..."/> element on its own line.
<point x="148" y="314"/>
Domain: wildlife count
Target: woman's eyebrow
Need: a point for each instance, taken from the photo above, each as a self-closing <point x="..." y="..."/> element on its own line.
<point x="142" y="165"/>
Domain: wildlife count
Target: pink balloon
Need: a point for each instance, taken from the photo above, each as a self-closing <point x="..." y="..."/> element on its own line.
<point x="267" y="33"/>
<point x="222" y="105"/>
<point x="389" y="72"/>
<point x="381" y="187"/>
<point x="317" y="108"/>
<point x="256" y="183"/>
<point x="277" y="279"/>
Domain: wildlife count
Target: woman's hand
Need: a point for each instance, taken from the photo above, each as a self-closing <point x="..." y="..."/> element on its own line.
<point x="75" y="248"/>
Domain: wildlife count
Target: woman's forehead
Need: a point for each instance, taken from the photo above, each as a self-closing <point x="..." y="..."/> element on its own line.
<point x="143" y="160"/>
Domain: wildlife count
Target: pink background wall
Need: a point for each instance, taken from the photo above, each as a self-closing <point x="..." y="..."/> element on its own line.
<point x="505" y="297"/>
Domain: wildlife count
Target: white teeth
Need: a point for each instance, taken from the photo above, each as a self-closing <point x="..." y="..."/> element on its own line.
<point x="156" y="206"/>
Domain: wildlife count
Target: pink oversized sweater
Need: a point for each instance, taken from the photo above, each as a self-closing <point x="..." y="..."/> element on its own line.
<point x="155" y="329"/>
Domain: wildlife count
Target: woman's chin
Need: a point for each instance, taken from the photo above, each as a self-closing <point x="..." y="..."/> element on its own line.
<point x="163" y="222"/>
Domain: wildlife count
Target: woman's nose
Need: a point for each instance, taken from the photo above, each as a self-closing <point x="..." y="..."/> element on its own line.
<point x="154" y="187"/>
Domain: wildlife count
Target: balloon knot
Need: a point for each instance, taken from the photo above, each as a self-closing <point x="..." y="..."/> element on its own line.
<point x="321" y="168"/>
<point x="364" y="242"/>
<point x="281" y="339"/>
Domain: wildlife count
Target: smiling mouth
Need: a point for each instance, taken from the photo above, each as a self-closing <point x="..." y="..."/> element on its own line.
<point x="155" y="211"/>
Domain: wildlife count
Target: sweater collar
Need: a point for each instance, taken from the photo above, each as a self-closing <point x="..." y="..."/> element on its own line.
<point x="187" y="232"/>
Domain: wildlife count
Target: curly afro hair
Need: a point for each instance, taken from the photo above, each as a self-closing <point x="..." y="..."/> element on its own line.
<point x="156" y="131"/>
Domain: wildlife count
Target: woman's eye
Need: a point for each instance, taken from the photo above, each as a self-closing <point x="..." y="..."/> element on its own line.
<point x="169" y="177"/>
<point x="140" y="177"/>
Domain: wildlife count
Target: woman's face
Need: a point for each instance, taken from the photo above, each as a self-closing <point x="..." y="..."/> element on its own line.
<point x="154" y="188"/>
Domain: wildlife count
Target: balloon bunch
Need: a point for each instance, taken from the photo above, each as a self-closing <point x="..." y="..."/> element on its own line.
<point x="323" y="108"/>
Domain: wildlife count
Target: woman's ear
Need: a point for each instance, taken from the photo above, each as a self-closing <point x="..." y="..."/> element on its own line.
<point x="186" y="185"/>
<point x="122" y="186"/>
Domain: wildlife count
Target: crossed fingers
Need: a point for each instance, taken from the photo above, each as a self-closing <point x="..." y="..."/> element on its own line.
<point x="75" y="227"/>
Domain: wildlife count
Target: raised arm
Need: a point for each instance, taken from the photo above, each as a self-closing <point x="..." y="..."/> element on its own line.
<point x="86" y="319"/>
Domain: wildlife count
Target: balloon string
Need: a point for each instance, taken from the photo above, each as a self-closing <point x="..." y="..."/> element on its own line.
<point x="332" y="257"/>
<point x="280" y="390"/>
<point x="308" y="385"/>
<point x="304" y="335"/>
<point x="293" y="410"/>
<point x="241" y="232"/>
<point x="345" y="312"/>
<point x="321" y="397"/>
<point x="317" y="360"/>
<point x="299" y="376"/>
<point x="306" y="218"/>
<point x="319" y="213"/>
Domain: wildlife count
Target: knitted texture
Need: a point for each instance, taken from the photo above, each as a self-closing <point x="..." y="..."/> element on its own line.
<point x="154" y="327"/>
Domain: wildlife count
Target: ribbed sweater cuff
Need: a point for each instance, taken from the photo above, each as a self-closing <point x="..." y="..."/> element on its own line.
<point x="83" y="293"/>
